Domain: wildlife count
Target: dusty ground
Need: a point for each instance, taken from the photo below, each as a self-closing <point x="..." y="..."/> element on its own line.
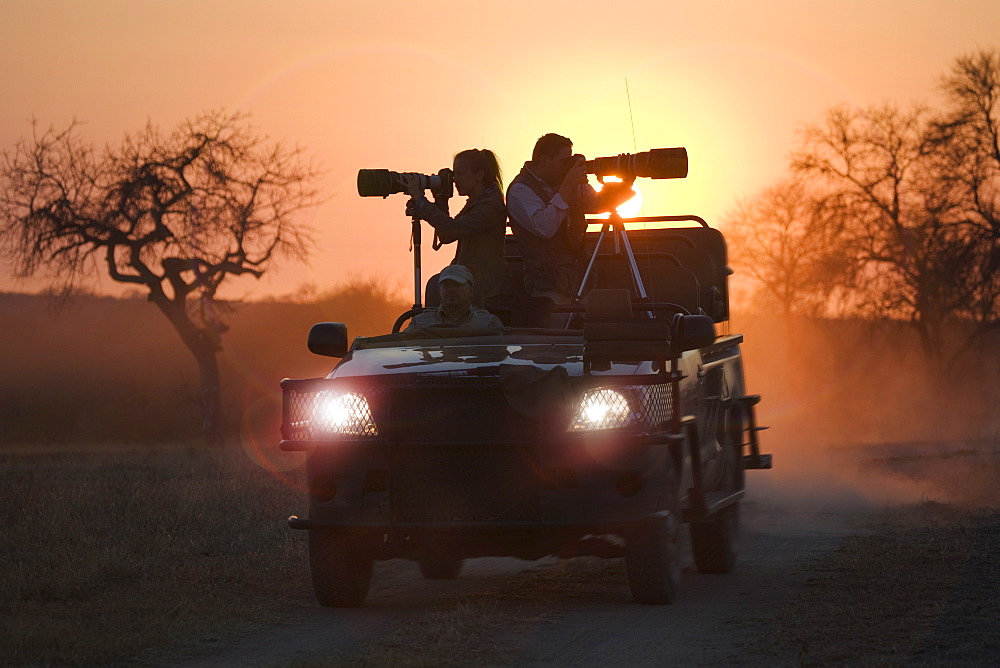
<point x="871" y="555"/>
<point x="509" y="611"/>
<point x="850" y="567"/>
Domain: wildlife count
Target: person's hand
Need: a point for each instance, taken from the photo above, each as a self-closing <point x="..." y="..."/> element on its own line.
<point x="412" y="205"/>
<point x="411" y="183"/>
<point x="576" y="176"/>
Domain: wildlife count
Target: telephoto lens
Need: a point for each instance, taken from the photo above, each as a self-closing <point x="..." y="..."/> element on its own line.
<point x="378" y="183"/>
<point x="657" y="163"/>
<point x="382" y="182"/>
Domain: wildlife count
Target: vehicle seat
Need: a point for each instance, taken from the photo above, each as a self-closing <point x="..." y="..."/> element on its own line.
<point x="432" y="296"/>
<point x="663" y="279"/>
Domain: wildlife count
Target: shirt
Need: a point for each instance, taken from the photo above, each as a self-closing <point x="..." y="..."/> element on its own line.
<point x="474" y="318"/>
<point x="541" y="218"/>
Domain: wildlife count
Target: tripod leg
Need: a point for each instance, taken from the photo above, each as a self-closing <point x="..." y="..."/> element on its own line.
<point x="636" y="277"/>
<point x="417" y="282"/>
<point x="590" y="265"/>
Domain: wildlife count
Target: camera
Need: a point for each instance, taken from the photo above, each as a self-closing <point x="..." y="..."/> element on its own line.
<point x="382" y="183"/>
<point x="657" y="163"/>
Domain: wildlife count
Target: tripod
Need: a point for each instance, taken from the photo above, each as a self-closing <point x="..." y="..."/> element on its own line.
<point x="417" y="283"/>
<point x="441" y="198"/>
<point x="615" y="226"/>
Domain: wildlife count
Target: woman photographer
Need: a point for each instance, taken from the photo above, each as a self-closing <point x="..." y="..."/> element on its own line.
<point x="478" y="228"/>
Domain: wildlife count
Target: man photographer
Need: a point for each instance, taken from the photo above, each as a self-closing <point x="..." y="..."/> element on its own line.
<point x="547" y="203"/>
<point x="456" y="310"/>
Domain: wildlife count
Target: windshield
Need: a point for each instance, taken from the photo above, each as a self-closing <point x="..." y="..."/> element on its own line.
<point x="469" y="357"/>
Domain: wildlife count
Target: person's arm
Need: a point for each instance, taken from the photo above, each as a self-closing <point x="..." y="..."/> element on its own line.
<point x="418" y="207"/>
<point x="485" y="214"/>
<point x="529" y="211"/>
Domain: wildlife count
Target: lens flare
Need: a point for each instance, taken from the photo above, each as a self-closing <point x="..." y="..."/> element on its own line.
<point x="260" y="433"/>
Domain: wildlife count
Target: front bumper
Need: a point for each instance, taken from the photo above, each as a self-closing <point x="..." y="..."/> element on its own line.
<point x="579" y="483"/>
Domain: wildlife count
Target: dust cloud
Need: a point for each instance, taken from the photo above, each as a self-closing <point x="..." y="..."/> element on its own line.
<point x="861" y="417"/>
<point x="858" y="417"/>
<point x="102" y="369"/>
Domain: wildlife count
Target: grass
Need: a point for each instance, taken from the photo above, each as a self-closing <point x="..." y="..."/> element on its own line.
<point x="111" y="554"/>
<point x="143" y="554"/>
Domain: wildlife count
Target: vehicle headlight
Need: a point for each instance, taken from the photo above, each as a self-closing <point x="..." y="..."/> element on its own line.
<point x="343" y="413"/>
<point x="601" y="408"/>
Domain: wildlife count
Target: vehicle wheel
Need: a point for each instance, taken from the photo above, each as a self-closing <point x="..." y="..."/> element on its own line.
<point x="652" y="555"/>
<point x="713" y="541"/>
<point x="440" y="568"/>
<point x="341" y="572"/>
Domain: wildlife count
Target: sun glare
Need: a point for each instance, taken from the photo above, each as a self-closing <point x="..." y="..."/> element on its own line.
<point x="627" y="209"/>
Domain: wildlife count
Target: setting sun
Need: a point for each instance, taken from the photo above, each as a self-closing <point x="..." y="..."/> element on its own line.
<point x="630" y="207"/>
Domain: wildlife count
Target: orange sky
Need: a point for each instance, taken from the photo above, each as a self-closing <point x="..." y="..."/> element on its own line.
<point x="405" y="85"/>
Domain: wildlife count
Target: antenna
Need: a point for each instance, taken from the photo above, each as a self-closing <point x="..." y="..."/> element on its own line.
<point x="630" y="120"/>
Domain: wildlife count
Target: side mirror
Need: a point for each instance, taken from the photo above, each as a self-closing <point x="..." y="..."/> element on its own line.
<point x="329" y="339"/>
<point x="695" y="331"/>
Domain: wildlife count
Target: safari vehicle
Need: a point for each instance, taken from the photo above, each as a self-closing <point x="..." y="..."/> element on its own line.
<point x="597" y="439"/>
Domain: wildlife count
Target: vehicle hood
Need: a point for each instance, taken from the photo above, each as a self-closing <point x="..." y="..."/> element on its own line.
<point x="459" y="360"/>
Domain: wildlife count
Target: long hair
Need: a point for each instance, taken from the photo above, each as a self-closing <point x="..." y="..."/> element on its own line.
<point x="485" y="160"/>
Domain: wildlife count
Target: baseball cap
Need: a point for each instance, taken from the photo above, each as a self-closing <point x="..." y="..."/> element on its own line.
<point x="456" y="272"/>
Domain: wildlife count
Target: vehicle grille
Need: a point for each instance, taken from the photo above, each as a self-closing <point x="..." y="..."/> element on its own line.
<point x="443" y="411"/>
<point x="459" y="452"/>
<point x="655" y="406"/>
<point x="463" y="483"/>
<point x="303" y="402"/>
<point x="475" y="463"/>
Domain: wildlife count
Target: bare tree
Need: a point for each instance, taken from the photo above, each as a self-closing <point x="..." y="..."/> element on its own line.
<point x="966" y="170"/>
<point x="176" y="214"/>
<point x="784" y="240"/>
<point x="910" y="260"/>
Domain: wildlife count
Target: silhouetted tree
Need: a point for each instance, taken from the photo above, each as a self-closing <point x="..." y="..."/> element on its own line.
<point x="176" y="214"/>
<point x="965" y="144"/>
<point x="910" y="259"/>
<point x="786" y="241"/>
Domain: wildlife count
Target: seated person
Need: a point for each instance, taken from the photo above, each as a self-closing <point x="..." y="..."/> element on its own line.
<point x="456" y="309"/>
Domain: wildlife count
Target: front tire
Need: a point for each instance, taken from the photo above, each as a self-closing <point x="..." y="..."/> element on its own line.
<point x="714" y="540"/>
<point x="652" y="554"/>
<point x="341" y="568"/>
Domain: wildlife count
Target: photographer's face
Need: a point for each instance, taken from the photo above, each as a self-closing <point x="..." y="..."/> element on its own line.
<point x="553" y="168"/>
<point x="468" y="182"/>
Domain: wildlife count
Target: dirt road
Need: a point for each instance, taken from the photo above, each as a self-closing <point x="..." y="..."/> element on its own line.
<point x="875" y="554"/>
<point x="824" y="560"/>
<point x="573" y="612"/>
